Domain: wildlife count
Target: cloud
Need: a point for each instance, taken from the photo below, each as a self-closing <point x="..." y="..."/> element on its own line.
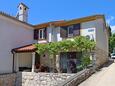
<point x="113" y="29"/>
<point x="110" y="19"/>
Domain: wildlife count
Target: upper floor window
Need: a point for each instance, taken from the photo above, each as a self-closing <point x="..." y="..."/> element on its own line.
<point x="40" y="34"/>
<point x="74" y="30"/>
<point x="70" y="31"/>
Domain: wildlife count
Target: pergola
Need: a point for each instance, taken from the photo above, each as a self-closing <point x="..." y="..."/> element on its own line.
<point x="24" y="49"/>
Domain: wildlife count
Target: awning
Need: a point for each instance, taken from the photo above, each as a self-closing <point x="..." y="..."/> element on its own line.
<point x="26" y="48"/>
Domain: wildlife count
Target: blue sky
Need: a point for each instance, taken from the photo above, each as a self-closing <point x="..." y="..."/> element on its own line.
<point x="51" y="10"/>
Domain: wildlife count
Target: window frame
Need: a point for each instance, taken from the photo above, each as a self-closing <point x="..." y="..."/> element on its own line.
<point x="41" y="33"/>
<point x="68" y="31"/>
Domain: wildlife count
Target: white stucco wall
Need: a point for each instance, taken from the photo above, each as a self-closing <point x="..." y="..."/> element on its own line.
<point x="53" y="34"/>
<point x="49" y="34"/>
<point x="59" y="38"/>
<point x="12" y="35"/>
<point x="23" y="14"/>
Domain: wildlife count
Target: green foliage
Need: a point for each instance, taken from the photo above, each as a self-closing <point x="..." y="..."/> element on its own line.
<point x="85" y="61"/>
<point x="53" y="48"/>
<point x="66" y="45"/>
<point x="41" y="48"/>
<point x="79" y="43"/>
<point x="112" y="42"/>
<point x="83" y="44"/>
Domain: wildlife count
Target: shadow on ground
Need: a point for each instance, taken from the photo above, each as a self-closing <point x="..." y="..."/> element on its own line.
<point x="107" y="64"/>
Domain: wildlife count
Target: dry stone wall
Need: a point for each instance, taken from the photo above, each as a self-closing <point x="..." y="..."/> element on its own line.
<point x="78" y="78"/>
<point x="44" y="79"/>
<point x="7" y="79"/>
<point x="101" y="57"/>
<point x="41" y="79"/>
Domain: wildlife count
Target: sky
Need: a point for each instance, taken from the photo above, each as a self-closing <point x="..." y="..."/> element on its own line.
<point x="50" y="10"/>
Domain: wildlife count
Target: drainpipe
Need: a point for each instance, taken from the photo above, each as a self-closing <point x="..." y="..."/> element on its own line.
<point x="13" y="61"/>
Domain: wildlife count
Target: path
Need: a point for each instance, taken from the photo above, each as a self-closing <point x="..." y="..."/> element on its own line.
<point x="104" y="77"/>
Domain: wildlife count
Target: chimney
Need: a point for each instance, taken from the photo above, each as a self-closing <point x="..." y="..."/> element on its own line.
<point x="22" y="13"/>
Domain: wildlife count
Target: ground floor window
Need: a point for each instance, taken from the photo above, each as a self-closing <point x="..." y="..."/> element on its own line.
<point x="69" y="61"/>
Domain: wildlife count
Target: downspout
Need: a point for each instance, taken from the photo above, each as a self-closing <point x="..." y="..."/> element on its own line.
<point x="13" y="60"/>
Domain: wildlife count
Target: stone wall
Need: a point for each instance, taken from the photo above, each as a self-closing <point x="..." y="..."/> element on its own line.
<point x="44" y="79"/>
<point x="7" y="79"/>
<point x="41" y="79"/>
<point x="78" y="78"/>
<point x="101" y="57"/>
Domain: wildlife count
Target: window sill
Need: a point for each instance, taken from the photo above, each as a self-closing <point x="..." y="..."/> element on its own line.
<point x="41" y="39"/>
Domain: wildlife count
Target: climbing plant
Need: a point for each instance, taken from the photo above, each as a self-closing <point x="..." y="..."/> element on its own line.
<point x="79" y="43"/>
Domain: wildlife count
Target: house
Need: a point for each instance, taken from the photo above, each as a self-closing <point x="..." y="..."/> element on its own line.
<point x="14" y="33"/>
<point x="17" y="37"/>
<point x="93" y="27"/>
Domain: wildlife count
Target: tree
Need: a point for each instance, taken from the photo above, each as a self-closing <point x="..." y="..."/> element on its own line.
<point x="112" y="43"/>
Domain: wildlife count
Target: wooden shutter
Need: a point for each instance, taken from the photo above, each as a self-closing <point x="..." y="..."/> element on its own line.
<point x="36" y="34"/>
<point x="76" y="31"/>
<point x="45" y="33"/>
<point x="63" y="32"/>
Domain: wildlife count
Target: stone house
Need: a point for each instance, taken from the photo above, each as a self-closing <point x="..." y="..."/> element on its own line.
<point x="18" y="37"/>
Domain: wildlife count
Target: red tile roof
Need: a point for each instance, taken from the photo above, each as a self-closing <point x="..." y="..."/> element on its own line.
<point x="27" y="48"/>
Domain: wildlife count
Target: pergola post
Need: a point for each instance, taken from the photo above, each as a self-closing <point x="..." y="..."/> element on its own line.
<point x="17" y="63"/>
<point x="33" y="61"/>
<point x="58" y="63"/>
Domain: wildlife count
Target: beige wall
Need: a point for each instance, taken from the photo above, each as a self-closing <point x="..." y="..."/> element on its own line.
<point x="45" y="60"/>
<point x="25" y="59"/>
<point x="101" y="42"/>
<point x="101" y="39"/>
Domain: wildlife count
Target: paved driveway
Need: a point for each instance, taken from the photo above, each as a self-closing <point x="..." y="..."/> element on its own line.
<point x="104" y="77"/>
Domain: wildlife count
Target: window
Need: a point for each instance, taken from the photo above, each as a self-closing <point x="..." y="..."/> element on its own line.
<point x="63" y="31"/>
<point x="41" y="34"/>
<point x="70" y="31"/>
<point x="25" y="9"/>
<point x="20" y="8"/>
<point x="74" y="30"/>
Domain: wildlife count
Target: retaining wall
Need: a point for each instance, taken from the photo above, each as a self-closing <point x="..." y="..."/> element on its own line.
<point x="44" y="79"/>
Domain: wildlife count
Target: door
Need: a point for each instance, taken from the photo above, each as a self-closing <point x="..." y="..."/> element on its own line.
<point x="37" y="60"/>
<point x="63" y="62"/>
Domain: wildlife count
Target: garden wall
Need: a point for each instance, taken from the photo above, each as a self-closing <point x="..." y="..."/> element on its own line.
<point x="44" y="79"/>
<point x="78" y="78"/>
<point x="7" y="79"/>
<point x="41" y="79"/>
